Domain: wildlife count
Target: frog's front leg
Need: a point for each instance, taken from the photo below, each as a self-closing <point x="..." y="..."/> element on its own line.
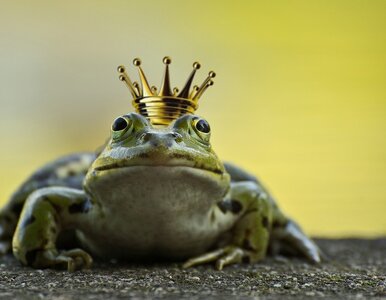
<point x="46" y="213"/>
<point x="67" y="171"/>
<point x="250" y="235"/>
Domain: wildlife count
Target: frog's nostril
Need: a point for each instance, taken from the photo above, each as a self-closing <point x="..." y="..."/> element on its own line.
<point x="177" y="137"/>
<point x="145" y="137"/>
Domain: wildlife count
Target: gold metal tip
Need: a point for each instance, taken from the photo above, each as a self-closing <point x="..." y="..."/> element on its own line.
<point x="137" y="88"/>
<point x="163" y="107"/>
<point x="196" y="65"/>
<point x="136" y="62"/>
<point x="193" y="92"/>
<point x="167" y="60"/>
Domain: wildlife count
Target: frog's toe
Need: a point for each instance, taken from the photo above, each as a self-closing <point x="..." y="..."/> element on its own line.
<point x="223" y="256"/>
<point x="203" y="259"/>
<point x="80" y="258"/>
<point x="292" y="237"/>
<point x="231" y="256"/>
<point x="72" y="260"/>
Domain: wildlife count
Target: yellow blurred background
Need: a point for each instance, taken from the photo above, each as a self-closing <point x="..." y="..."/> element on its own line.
<point x="299" y="98"/>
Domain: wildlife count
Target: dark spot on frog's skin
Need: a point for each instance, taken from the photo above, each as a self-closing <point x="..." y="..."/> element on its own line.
<point x="236" y="206"/>
<point x="53" y="230"/>
<point x="265" y="222"/>
<point x="27" y="221"/>
<point x="246" y="259"/>
<point x="247" y="245"/>
<point x="16" y="208"/>
<point x="277" y="224"/>
<point x="30" y="256"/>
<point x="43" y="175"/>
<point x="82" y="207"/>
<point x="8" y="218"/>
<point x="74" y="181"/>
<point x="233" y="206"/>
<point x="247" y="240"/>
<point x="71" y="173"/>
<point x="222" y="205"/>
<point x="53" y="204"/>
<point x="212" y="217"/>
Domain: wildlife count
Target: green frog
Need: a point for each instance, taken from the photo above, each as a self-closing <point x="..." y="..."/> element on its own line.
<point x="152" y="192"/>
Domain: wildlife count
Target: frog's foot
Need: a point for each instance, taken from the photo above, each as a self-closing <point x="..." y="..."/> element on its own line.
<point x="75" y="259"/>
<point x="223" y="256"/>
<point x="47" y="213"/>
<point x="291" y="239"/>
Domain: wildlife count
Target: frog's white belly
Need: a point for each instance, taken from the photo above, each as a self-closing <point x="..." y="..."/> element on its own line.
<point x="156" y="211"/>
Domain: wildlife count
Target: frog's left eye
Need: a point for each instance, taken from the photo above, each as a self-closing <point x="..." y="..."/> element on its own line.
<point x="120" y="126"/>
<point x="202" y="126"/>
<point x="202" y="129"/>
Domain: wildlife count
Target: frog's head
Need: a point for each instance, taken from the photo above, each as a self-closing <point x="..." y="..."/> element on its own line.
<point x="135" y="142"/>
<point x="180" y="150"/>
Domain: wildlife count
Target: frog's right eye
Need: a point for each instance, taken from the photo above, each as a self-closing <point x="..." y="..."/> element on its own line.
<point x="120" y="124"/>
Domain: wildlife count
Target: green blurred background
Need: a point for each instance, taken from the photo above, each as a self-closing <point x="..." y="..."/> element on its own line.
<point x="299" y="98"/>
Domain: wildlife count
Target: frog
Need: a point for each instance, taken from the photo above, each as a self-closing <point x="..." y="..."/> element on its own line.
<point x="156" y="190"/>
<point x="151" y="193"/>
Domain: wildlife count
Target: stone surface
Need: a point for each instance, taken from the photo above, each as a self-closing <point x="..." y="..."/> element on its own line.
<point x="356" y="270"/>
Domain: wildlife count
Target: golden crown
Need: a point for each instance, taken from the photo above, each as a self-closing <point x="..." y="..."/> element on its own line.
<point x="164" y="106"/>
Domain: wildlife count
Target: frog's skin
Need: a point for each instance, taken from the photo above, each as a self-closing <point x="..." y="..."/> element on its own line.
<point x="151" y="193"/>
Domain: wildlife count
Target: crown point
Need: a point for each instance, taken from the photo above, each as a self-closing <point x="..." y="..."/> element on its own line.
<point x="196" y="65"/>
<point x="137" y="62"/>
<point x="121" y="69"/>
<point x="212" y="74"/>
<point x="211" y="82"/>
<point x="121" y="78"/>
<point x="167" y="60"/>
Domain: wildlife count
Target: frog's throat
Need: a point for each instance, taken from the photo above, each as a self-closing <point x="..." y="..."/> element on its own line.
<point x="133" y="177"/>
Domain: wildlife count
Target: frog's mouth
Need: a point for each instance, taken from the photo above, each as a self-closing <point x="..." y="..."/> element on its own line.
<point x="171" y="164"/>
<point x="155" y="158"/>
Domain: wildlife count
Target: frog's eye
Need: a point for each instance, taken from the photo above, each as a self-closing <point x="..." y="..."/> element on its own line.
<point x="120" y="126"/>
<point x="202" y="129"/>
<point x="202" y="126"/>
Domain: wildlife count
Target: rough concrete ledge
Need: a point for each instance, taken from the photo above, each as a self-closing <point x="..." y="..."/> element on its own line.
<point x="357" y="269"/>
